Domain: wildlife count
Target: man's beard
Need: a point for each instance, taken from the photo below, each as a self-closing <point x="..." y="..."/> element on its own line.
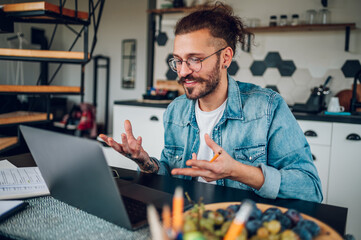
<point x="210" y="84"/>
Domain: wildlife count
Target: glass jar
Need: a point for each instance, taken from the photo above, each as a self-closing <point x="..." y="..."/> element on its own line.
<point x="295" y="19"/>
<point x="273" y="21"/>
<point x="311" y="16"/>
<point x="324" y="16"/>
<point x="283" y="20"/>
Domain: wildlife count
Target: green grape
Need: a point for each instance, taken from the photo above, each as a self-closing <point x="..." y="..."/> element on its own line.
<point x="207" y="224"/>
<point x="189" y="226"/>
<point x="274" y="226"/>
<point x="288" y="235"/>
<point x="274" y="237"/>
<point x="262" y="232"/>
<point x="225" y="227"/>
<point x="193" y="236"/>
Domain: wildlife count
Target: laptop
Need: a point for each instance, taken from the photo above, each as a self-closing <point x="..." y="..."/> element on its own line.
<point x="76" y="172"/>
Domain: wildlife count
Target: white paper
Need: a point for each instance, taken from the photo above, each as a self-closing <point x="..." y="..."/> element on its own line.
<point x="6" y="164"/>
<point x="17" y="183"/>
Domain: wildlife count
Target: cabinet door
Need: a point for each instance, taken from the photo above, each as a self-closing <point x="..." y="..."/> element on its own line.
<point x="345" y="173"/>
<point x="147" y="122"/>
<point x="316" y="132"/>
<point x="321" y="157"/>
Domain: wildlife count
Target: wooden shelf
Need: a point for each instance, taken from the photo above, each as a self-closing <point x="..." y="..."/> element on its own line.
<point x="22" y="116"/>
<point x="308" y="27"/>
<point x="6" y="142"/>
<point x="41" y="55"/>
<point x="41" y="10"/>
<point x="175" y="10"/>
<point x="39" y="89"/>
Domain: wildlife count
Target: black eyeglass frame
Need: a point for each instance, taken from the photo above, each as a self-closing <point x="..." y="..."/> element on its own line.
<point x="188" y="64"/>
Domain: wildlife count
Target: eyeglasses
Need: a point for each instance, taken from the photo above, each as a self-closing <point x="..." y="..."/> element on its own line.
<point x="193" y="63"/>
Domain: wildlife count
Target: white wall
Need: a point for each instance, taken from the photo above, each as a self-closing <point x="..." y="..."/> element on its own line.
<point x="316" y="54"/>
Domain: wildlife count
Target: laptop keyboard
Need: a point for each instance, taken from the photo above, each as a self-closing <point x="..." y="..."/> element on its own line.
<point x="137" y="210"/>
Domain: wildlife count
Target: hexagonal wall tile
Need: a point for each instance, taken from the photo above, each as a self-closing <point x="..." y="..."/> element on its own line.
<point x="288" y="98"/>
<point x="273" y="87"/>
<point x="244" y="75"/>
<point x="300" y="94"/>
<point x="286" y="85"/>
<point x="259" y="81"/>
<point x="162" y="39"/>
<point x="271" y="76"/>
<point x="258" y="68"/>
<point x="168" y="57"/>
<point x="273" y="59"/>
<point x="244" y="60"/>
<point x="350" y="68"/>
<point x="233" y="68"/>
<point x="286" y="68"/>
<point x="171" y="75"/>
<point x="302" y="77"/>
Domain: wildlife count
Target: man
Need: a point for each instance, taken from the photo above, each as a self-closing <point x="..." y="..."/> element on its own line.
<point x="260" y="145"/>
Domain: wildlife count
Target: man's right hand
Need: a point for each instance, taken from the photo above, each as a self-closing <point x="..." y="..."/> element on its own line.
<point x="132" y="148"/>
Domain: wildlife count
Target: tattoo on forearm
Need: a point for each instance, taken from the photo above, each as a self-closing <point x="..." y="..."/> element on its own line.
<point x="149" y="167"/>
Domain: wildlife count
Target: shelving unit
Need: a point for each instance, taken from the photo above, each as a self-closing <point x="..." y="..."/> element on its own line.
<point x="47" y="13"/>
<point x="152" y="12"/>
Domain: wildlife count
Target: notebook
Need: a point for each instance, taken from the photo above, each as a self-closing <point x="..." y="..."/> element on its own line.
<point x="76" y="172"/>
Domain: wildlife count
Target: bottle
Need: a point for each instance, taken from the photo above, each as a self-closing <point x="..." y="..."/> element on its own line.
<point x="295" y="20"/>
<point x="311" y="16"/>
<point x="324" y="16"/>
<point x="273" y="21"/>
<point x="283" y="20"/>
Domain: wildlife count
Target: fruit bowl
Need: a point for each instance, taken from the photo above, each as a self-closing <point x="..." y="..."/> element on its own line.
<point x="326" y="232"/>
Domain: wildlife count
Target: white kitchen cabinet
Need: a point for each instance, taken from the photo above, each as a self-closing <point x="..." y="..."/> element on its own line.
<point x="321" y="157"/>
<point x="345" y="173"/>
<point x="318" y="135"/>
<point x="147" y="122"/>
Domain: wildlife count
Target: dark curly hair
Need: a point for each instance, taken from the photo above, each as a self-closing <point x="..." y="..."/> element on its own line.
<point x="219" y="20"/>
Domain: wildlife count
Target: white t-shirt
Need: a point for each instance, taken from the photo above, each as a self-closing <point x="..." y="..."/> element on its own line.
<point x="206" y="122"/>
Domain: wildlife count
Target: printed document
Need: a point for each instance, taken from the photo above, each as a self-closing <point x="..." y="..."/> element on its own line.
<point x="18" y="183"/>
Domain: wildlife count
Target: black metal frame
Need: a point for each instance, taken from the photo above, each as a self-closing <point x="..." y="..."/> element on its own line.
<point x="95" y="86"/>
<point x="61" y="19"/>
<point x="150" y="46"/>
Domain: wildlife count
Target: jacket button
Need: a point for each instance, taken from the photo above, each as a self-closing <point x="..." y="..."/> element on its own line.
<point x="250" y="158"/>
<point x="176" y="157"/>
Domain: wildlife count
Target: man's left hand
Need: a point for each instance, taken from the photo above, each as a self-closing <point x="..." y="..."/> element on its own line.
<point x="221" y="167"/>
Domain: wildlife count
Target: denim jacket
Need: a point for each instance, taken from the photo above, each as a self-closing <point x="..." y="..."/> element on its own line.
<point x="257" y="128"/>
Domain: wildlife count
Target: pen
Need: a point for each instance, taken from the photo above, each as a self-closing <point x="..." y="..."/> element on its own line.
<point x="215" y="156"/>
<point x="239" y="221"/>
<point x="178" y="205"/>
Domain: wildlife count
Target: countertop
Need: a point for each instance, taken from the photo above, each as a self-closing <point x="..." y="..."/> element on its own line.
<point x="353" y="119"/>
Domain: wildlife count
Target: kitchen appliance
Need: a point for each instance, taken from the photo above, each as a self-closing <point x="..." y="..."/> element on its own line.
<point x="317" y="100"/>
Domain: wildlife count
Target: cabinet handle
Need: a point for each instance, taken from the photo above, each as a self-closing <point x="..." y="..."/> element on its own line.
<point x="154" y="118"/>
<point x="314" y="157"/>
<point x="353" y="137"/>
<point x="310" y="133"/>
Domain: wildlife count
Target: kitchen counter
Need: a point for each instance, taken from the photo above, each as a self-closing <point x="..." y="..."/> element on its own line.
<point x="353" y="119"/>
